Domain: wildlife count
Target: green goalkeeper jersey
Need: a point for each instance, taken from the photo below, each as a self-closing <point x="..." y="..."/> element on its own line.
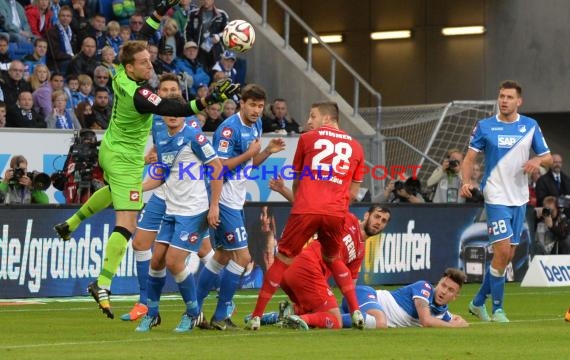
<point x="128" y="128"/>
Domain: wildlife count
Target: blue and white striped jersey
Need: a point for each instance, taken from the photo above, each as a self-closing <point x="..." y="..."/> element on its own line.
<point x="507" y="148"/>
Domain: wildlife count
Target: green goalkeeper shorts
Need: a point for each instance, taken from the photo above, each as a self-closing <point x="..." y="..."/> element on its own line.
<point x="124" y="174"/>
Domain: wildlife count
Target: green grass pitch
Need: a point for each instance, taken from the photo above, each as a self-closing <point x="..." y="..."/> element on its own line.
<point x="76" y="329"/>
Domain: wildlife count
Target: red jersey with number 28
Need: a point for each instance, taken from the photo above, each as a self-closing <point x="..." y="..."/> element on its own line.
<point x="327" y="161"/>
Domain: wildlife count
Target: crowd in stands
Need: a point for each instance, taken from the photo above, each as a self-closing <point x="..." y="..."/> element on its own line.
<point x="58" y="57"/>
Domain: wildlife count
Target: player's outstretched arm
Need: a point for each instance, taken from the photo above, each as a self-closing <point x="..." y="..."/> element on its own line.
<point x="278" y="185"/>
<point x="152" y="22"/>
<point x="274" y="146"/>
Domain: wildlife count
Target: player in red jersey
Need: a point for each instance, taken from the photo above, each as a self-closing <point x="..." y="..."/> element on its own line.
<point x="305" y="281"/>
<point x="326" y="162"/>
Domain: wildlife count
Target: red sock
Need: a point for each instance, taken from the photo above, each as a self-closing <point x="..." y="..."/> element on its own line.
<point x="343" y="279"/>
<point x="271" y="281"/>
<point x="322" y="320"/>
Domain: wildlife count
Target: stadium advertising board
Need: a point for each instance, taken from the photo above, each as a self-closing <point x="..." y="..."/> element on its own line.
<point x="419" y="243"/>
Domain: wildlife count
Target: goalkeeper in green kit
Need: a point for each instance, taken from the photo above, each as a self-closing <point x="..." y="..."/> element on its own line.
<point x="121" y="154"/>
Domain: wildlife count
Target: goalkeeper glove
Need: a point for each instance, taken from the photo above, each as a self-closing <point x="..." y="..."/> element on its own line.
<point x="223" y="90"/>
<point x="162" y="6"/>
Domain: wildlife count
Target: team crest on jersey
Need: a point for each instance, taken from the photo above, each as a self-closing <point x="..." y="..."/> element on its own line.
<point x="223" y="146"/>
<point x="255" y="132"/>
<point x="184" y="235"/>
<point x="134" y="195"/>
<point x="522" y="128"/>
<point x="227" y="132"/>
<point x="425" y="293"/>
<point x="193" y="238"/>
<point x="230" y="237"/>
<point x="179" y="141"/>
<point x="201" y="139"/>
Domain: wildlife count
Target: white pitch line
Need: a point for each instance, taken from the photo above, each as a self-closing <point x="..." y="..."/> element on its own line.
<point x="215" y="334"/>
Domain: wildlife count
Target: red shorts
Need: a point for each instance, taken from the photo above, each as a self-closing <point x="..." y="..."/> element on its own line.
<point x="307" y="287"/>
<point x="301" y="227"/>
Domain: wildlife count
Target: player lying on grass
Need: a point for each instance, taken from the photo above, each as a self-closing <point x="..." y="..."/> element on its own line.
<point x="417" y="304"/>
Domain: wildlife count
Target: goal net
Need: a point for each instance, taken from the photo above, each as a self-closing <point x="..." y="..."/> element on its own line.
<point x="422" y="134"/>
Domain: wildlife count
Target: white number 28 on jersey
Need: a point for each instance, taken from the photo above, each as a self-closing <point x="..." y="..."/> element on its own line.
<point x="340" y="162"/>
<point x="499" y="227"/>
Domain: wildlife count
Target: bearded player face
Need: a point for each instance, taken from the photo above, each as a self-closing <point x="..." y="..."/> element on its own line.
<point x="375" y="222"/>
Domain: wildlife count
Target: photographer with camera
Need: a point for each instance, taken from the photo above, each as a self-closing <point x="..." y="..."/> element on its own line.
<point x="81" y="175"/>
<point x="22" y="187"/>
<point x="397" y="191"/>
<point x="447" y="179"/>
<point x="553" y="230"/>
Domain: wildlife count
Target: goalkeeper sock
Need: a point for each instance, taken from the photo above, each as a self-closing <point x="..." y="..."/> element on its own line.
<point x="101" y="199"/>
<point x="114" y="253"/>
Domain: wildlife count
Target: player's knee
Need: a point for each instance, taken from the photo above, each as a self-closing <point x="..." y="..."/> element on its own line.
<point x="142" y="241"/>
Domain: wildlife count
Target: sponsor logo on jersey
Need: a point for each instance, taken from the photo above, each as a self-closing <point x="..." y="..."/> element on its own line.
<point x="201" y="139"/>
<point x="193" y="238"/>
<point x="497" y="128"/>
<point x="507" y="141"/>
<point x="230" y="237"/>
<point x="227" y="132"/>
<point x="184" y="235"/>
<point x="208" y="150"/>
<point x="134" y="195"/>
<point x="223" y="146"/>
<point x="427" y="285"/>
<point x="154" y="99"/>
<point x="150" y="96"/>
<point x="194" y="124"/>
<point x="145" y="92"/>
<point x="425" y="293"/>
